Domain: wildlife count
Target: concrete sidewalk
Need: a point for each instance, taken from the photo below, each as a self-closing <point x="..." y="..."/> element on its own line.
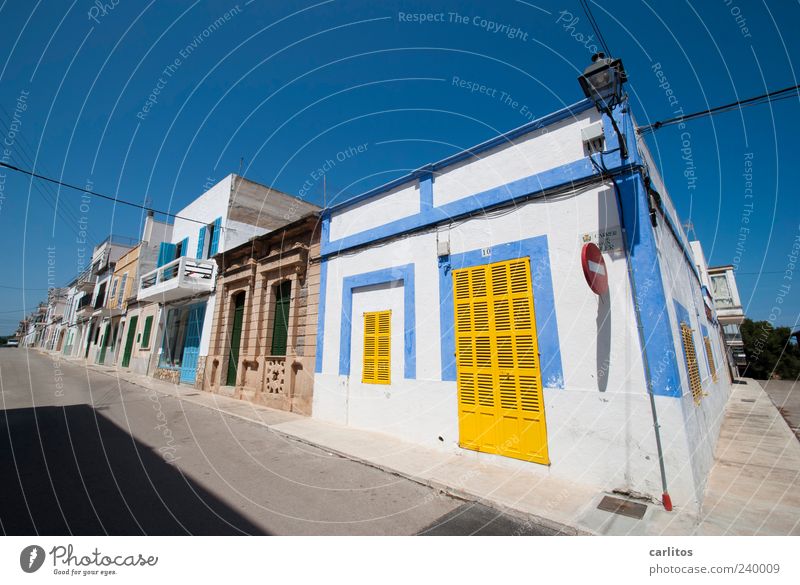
<point x="752" y="488"/>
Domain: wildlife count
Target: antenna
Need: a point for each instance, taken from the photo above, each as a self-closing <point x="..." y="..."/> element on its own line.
<point x="241" y="164"/>
<point x="689" y="227"/>
<point x="324" y="193"/>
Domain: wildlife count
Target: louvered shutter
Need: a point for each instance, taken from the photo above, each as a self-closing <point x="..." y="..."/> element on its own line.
<point x="201" y="243"/>
<point x="215" y="237"/>
<point x="148" y="324"/>
<point x="690" y="354"/>
<point x="712" y="367"/>
<point x="166" y="253"/>
<point x="377" y="363"/>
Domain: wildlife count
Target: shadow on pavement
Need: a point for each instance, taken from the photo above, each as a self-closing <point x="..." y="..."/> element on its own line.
<point x="69" y="470"/>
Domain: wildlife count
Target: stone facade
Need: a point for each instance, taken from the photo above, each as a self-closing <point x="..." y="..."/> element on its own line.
<point x="256" y="269"/>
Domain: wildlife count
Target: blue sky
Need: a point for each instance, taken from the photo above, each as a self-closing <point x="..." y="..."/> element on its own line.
<point x="287" y="86"/>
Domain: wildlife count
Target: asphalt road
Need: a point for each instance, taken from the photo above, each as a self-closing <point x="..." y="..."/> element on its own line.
<point x="84" y="453"/>
<point x="785" y="394"/>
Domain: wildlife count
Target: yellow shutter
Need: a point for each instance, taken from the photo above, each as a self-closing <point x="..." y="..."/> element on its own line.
<point x="500" y="403"/>
<point x="711" y="365"/>
<point x="377" y="348"/>
<point x="691" y="362"/>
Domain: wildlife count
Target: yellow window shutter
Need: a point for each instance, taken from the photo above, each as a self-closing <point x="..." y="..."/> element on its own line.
<point x="377" y="348"/>
<point x="711" y="365"/>
<point x="691" y="362"/>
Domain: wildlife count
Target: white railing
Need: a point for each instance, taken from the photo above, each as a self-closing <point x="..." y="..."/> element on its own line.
<point x="182" y="271"/>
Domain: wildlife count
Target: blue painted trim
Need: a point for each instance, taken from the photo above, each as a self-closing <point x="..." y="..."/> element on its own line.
<point x="501" y="139"/>
<point x="323" y="288"/>
<point x="659" y="347"/>
<point x="426" y="193"/>
<point x="533" y="185"/>
<point x="404" y="274"/>
<point x="543" y="299"/>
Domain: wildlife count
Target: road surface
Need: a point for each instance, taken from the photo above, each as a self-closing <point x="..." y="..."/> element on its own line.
<point x="84" y="453"/>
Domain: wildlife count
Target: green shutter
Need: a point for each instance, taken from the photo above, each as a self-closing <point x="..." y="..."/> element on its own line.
<point x="148" y="324"/>
<point x="280" y="326"/>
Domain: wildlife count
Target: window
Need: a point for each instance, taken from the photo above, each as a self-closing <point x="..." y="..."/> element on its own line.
<point x="721" y="291"/>
<point x="280" y="325"/>
<point x="712" y="367"/>
<point x="101" y="295"/>
<point x="121" y="293"/>
<point x="114" y="284"/>
<point x="148" y="324"/>
<point x="377" y="348"/>
<point x="201" y="243"/>
<point x="690" y="355"/>
<point x="174" y="334"/>
<point x="213" y="235"/>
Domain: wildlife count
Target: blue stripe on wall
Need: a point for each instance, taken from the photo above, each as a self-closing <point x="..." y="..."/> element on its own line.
<point x="651" y="298"/>
<point x="404" y="274"/>
<point x="323" y="287"/>
<point x="543" y="299"/>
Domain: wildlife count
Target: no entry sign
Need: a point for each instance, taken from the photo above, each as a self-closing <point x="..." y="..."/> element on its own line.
<point x="594" y="268"/>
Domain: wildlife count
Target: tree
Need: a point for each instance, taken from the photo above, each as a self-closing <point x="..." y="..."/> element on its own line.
<point x="771" y="353"/>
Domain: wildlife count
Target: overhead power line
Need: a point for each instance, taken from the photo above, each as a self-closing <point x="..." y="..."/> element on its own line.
<point x="96" y="194"/>
<point x="595" y="26"/>
<point x="772" y="96"/>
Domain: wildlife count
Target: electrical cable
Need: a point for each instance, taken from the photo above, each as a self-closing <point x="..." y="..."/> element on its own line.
<point x="772" y="96"/>
<point x="594" y="25"/>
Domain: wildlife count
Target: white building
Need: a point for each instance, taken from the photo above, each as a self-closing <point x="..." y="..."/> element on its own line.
<point x="725" y="293"/>
<point x="228" y="214"/>
<point x="455" y="313"/>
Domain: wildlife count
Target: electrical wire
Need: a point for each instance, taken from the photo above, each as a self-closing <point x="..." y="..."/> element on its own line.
<point x="96" y="194"/>
<point x="772" y="96"/>
<point x="594" y="25"/>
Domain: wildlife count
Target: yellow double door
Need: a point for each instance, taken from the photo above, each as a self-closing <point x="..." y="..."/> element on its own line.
<point x="500" y="401"/>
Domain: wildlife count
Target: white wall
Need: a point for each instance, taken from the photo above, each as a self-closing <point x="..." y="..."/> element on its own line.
<point x="535" y="152"/>
<point x="206" y="208"/>
<point x="395" y="204"/>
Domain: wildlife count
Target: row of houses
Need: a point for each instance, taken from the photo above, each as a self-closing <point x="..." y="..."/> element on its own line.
<point x="452" y="308"/>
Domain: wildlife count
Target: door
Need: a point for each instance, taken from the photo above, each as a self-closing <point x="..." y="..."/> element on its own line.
<point x="280" y="324"/>
<point x="191" y="344"/>
<point x="236" y="338"/>
<point x="104" y="344"/>
<point x="500" y="401"/>
<point x="126" y="355"/>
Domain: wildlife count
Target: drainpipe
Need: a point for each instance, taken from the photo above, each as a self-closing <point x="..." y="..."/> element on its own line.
<point x="665" y="498"/>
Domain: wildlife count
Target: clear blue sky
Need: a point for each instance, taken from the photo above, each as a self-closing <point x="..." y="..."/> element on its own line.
<point x="290" y="85"/>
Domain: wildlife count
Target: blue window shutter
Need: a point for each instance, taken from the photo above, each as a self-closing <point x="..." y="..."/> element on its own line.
<point x="166" y="253"/>
<point x="184" y="245"/>
<point x="201" y="242"/>
<point x="215" y="237"/>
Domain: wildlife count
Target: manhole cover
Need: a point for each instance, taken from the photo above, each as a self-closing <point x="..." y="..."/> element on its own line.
<point x="622" y="507"/>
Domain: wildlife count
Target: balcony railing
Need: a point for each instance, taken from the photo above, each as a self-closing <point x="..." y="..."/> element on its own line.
<point x="178" y="278"/>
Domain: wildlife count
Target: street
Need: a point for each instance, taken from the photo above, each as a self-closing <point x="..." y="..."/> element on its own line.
<point x="84" y="453"/>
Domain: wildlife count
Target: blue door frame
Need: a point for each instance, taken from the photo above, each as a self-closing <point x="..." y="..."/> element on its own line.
<point x="191" y="344"/>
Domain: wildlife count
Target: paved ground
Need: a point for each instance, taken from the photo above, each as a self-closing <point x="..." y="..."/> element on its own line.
<point x="785" y="394"/>
<point x="82" y="452"/>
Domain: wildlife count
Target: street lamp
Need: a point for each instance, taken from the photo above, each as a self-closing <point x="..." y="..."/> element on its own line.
<point x="602" y="82"/>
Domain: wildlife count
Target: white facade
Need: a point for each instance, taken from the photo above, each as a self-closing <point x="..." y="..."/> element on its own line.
<point x="531" y="194"/>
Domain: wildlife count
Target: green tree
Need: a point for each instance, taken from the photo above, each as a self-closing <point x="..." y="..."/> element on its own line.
<point x="771" y="353"/>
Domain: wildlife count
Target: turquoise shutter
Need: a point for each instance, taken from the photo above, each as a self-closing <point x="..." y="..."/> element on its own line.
<point x="201" y="242"/>
<point x="166" y="253"/>
<point x="184" y="245"/>
<point x="215" y="237"/>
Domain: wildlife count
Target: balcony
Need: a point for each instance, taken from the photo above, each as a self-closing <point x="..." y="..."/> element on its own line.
<point x="181" y="278"/>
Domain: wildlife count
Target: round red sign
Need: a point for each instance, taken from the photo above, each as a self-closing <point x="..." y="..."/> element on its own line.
<point x="594" y="268"/>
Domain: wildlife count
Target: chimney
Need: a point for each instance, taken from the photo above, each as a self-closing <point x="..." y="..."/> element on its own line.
<point x="147" y="233"/>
